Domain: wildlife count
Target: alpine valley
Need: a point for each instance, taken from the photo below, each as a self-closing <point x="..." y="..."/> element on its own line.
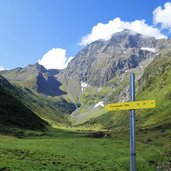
<point x="36" y="99"/>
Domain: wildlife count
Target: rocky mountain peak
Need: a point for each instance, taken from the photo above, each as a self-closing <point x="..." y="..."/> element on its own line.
<point x="125" y="33"/>
<point x="36" y="67"/>
<point x="131" y="39"/>
<point x="102" y="60"/>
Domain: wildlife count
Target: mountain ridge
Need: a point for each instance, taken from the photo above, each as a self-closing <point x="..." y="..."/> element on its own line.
<point x="35" y="77"/>
<point x="98" y="74"/>
<point x="105" y="58"/>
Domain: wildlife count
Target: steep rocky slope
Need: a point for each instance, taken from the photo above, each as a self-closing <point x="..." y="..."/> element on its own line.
<point x="101" y="61"/>
<point x="154" y="84"/>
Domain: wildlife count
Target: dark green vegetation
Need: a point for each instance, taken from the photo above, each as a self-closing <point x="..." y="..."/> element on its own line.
<point x="13" y="113"/>
<point x="53" y="109"/>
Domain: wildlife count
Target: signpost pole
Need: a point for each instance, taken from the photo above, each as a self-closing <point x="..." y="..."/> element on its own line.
<point x="132" y="125"/>
<point x="132" y="105"/>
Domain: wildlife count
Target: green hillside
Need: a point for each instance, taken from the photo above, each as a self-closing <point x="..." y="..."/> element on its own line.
<point x="154" y="84"/>
<point x="51" y="109"/>
<point x="14" y="114"/>
<point x="35" y="77"/>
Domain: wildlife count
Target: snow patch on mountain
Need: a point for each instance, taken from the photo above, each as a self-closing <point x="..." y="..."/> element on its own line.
<point x="148" y="49"/>
<point x="84" y="86"/>
<point x="99" y="104"/>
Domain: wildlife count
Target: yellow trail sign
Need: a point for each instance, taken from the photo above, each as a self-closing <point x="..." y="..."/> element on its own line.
<point x="131" y="105"/>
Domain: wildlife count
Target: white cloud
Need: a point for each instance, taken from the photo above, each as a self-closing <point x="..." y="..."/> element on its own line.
<point x="163" y="16"/>
<point x="55" y="59"/>
<point x="2" y="68"/>
<point x="105" y="31"/>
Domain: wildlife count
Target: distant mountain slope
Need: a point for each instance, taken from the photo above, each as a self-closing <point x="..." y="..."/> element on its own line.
<point x="51" y="109"/>
<point x="154" y="84"/>
<point x="14" y="114"/>
<point x="35" y="77"/>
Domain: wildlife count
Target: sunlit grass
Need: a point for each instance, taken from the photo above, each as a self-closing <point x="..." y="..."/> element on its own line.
<point x="73" y="150"/>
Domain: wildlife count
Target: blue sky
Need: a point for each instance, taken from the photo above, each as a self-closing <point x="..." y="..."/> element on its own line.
<point x="33" y="29"/>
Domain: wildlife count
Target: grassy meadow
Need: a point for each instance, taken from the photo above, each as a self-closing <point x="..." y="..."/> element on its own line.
<point x="72" y="149"/>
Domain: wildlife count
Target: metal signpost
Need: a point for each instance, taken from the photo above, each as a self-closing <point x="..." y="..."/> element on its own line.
<point x="132" y="105"/>
<point x="132" y="125"/>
